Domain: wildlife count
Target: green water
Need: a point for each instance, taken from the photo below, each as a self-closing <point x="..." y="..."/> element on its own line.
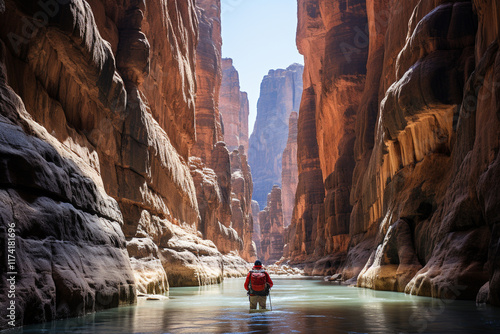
<point x="299" y="306"/>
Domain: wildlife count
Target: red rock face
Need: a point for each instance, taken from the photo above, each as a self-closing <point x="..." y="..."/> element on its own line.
<point x="233" y="107"/>
<point x="397" y="114"/>
<point x="290" y="173"/>
<point x="280" y="93"/>
<point x="98" y="119"/>
<point x="222" y="179"/>
<point x="241" y="204"/>
<point x="272" y="228"/>
<point x="208" y="79"/>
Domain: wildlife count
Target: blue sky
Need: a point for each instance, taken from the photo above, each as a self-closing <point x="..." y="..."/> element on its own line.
<point x="259" y="35"/>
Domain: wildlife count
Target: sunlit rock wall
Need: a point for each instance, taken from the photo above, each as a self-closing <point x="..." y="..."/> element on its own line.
<point x="98" y="117"/>
<point x="289" y="172"/>
<point x="280" y="94"/>
<point x="233" y="107"/>
<point x="272" y="228"/>
<point x="208" y="79"/>
<point x="241" y="203"/>
<point x="222" y="178"/>
<point x="426" y="131"/>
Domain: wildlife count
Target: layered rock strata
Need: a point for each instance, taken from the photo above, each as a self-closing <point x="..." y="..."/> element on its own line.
<point x="416" y="86"/>
<point x="241" y="203"/>
<point x="233" y="107"/>
<point x="222" y="179"/>
<point x="98" y="121"/>
<point x="272" y="228"/>
<point x="280" y="95"/>
<point x="208" y="79"/>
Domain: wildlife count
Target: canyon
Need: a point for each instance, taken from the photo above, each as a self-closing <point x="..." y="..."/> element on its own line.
<point x="114" y="172"/>
<point x="398" y="141"/>
<point x="126" y="165"/>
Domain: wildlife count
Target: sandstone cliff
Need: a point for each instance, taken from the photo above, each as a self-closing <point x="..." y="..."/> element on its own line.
<point x="241" y="204"/>
<point x="289" y="171"/>
<point x="280" y="94"/>
<point x="208" y="79"/>
<point x="396" y="117"/>
<point x="98" y="121"/>
<point x="233" y="107"/>
<point x="222" y="179"/>
<point x="272" y="228"/>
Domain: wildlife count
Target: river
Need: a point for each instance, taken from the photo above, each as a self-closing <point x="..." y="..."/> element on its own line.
<point x="299" y="306"/>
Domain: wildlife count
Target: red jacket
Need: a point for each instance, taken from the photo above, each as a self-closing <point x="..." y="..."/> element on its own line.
<point x="268" y="278"/>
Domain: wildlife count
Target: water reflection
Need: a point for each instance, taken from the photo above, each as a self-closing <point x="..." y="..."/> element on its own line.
<point x="299" y="306"/>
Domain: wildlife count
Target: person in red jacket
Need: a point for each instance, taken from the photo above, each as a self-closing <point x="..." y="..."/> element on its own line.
<point x="258" y="284"/>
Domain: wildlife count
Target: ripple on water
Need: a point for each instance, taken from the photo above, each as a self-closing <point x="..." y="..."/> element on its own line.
<point x="299" y="306"/>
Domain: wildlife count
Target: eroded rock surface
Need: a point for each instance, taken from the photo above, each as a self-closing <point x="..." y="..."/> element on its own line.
<point x="272" y="228"/>
<point x="396" y="93"/>
<point x="233" y="107"/>
<point x="290" y="172"/>
<point x="98" y="122"/>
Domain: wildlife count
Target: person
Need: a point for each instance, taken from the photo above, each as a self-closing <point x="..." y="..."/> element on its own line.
<point x="258" y="284"/>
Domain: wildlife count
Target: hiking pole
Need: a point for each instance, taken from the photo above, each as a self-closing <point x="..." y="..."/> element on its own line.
<point x="270" y="302"/>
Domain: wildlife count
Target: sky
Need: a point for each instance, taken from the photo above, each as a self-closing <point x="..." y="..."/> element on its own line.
<point x="259" y="35"/>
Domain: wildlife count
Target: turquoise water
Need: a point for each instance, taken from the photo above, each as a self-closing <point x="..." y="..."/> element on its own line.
<point x="299" y="306"/>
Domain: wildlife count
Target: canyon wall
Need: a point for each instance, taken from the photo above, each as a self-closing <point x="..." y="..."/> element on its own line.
<point x="272" y="228"/>
<point x="280" y="94"/>
<point x="222" y="178"/>
<point x="256" y="228"/>
<point x="403" y="100"/>
<point x="98" y="123"/>
<point x="289" y="171"/>
<point x="234" y="108"/>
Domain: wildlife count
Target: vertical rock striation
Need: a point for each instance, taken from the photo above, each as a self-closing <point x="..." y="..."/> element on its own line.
<point x="233" y="107"/>
<point x="289" y="173"/>
<point x="208" y="79"/>
<point x="272" y="228"/>
<point x="241" y="203"/>
<point x="280" y="94"/>
<point x="397" y="91"/>
<point x="98" y="122"/>
<point x="256" y="228"/>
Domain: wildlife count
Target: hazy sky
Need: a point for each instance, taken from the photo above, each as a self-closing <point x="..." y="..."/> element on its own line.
<point x="259" y="35"/>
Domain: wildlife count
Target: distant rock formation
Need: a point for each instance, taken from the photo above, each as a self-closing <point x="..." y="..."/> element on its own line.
<point x="388" y="132"/>
<point x="233" y="107"/>
<point x="290" y="173"/>
<point x="280" y="94"/>
<point x="272" y="228"/>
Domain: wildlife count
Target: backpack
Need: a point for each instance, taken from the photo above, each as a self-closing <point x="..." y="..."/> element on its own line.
<point x="258" y="283"/>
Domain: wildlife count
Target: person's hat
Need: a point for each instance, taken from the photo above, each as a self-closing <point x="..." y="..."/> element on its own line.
<point x="258" y="263"/>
